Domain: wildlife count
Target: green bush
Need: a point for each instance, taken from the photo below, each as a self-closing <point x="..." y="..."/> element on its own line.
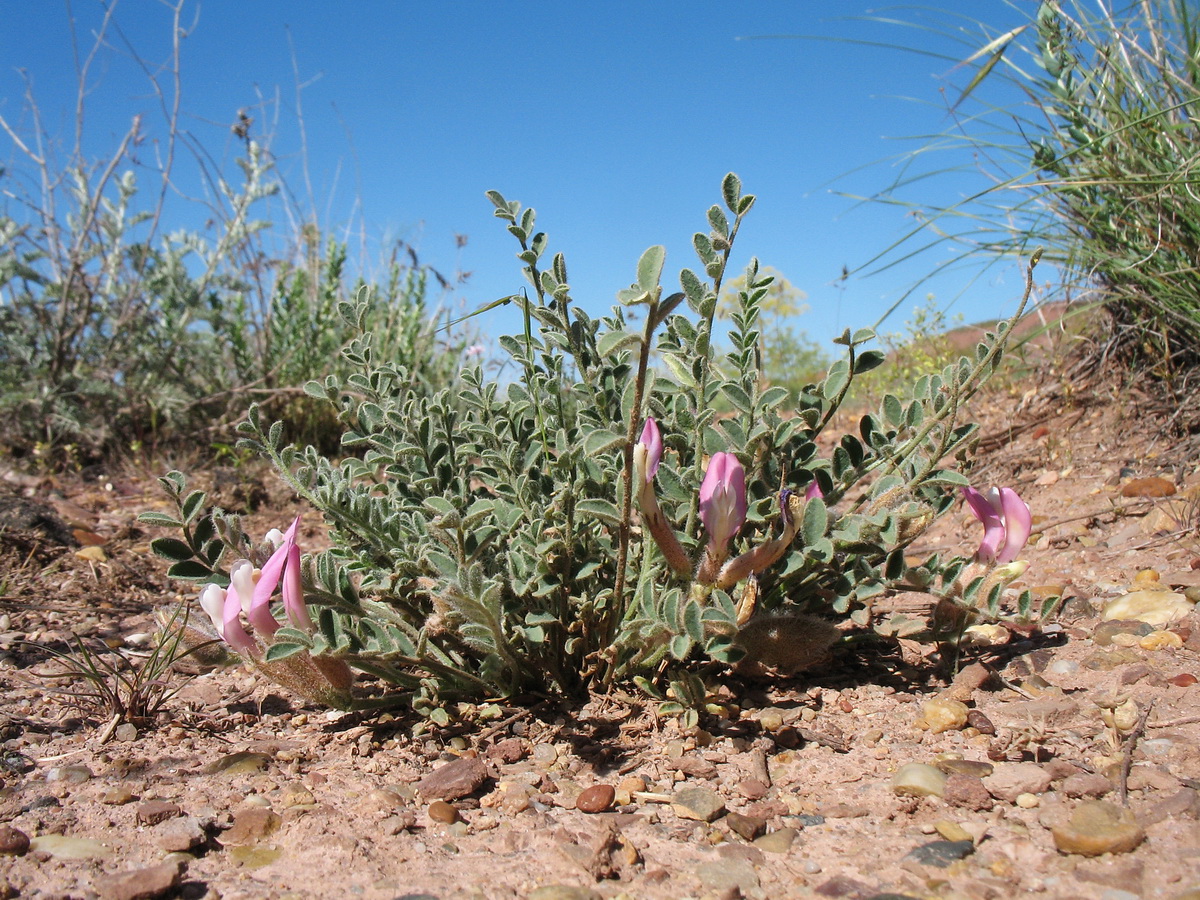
<point x="485" y="538"/>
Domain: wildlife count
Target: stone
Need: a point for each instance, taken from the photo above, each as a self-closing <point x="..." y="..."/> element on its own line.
<point x="753" y="789"/>
<point x="118" y="796"/>
<point x="694" y="766"/>
<point x="1010" y="780"/>
<point x="179" y="834"/>
<point x="1184" y="803"/>
<point x="62" y="846"/>
<point x="967" y="792"/>
<point x="125" y="733"/>
<point x="454" y="780"/>
<point x="1155" y="607"/>
<point x="746" y="827"/>
<point x="1161" y="640"/>
<point x="508" y="751"/>
<point x="1150" y="486"/>
<point x="251" y="824"/>
<point x="1028" y="801"/>
<point x="1086" y="784"/>
<point x="697" y="803"/>
<point x="1105" y="632"/>
<point x="142" y="884"/>
<point x="844" y="886"/>
<point x="442" y="812"/>
<point x="564" y="892"/>
<point x="13" y="841"/>
<point x="941" y="853"/>
<point x="69" y="774"/>
<point x="596" y="799"/>
<point x="952" y="831"/>
<point x="972" y="767"/>
<point x="151" y="812"/>
<point x="778" y="841"/>
<point x="943" y="714"/>
<point x="918" y="780"/>
<point x="1097" y="827"/>
<point x="243" y="763"/>
<point x="725" y="874"/>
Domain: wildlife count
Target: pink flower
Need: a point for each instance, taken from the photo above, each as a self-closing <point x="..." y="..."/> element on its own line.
<point x="252" y="597"/>
<point x="1006" y="520"/>
<point x="814" y="491"/>
<point x="648" y="451"/>
<point x="723" y="498"/>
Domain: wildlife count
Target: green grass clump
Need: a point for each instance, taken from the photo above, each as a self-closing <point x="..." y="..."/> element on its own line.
<point x="1080" y="126"/>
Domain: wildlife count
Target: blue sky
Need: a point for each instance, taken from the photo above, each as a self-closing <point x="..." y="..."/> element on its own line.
<point x="616" y="121"/>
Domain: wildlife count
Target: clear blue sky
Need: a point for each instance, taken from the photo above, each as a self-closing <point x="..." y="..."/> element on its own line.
<point x="616" y="121"/>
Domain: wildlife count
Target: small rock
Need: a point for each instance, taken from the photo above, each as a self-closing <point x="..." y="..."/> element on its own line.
<point x="243" y="763"/>
<point x="13" y="841"/>
<point x="61" y="846"/>
<point x="1161" y="640"/>
<point x="972" y="767"/>
<point x="1184" y="803"/>
<point x="694" y="766"/>
<point x="454" y="780"/>
<point x="1155" y="607"/>
<point x="179" y="835"/>
<point x="770" y="719"/>
<point x="952" y="831"/>
<point x="1105" y="632"/>
<point x="125" y="733"/>
<point x="142" y="884"/>
<point x="697" y="803"/>
<point x="1012" y="779"/>
<point x="69" y="774"/>
<point x="918" y="780"/>
<point x="442" y="812"/>
<point x="752" y="789"/>
<point x="720" y="876"/>
<point x="944" y="715"/>
<point x="1183" y="679"/>
<point x="545" y="755"/>
<point x="941" y="853"/>
<point x="118" y="796"/>
<point x="1028" y="801"/>
<point x="1100" y="661"/>
<point x="627" y="787"/>
<point x="151" y="812"/>
<point x="296" y="796"/>
<point x="508" y="751"/>
<point x="746" y="827"/>
<point x="844" y="886"/>
<point x="596" y="798"/>
<point x="968" y="792"/>
<point x="1150" y="486"/>
<point x="564" y="892"/>
<point x="1096" y="827"/>
<point x="980" y="722"/>
<point x="1086" y="784"/>
<point x="251" y="824"/>
<point x="779" y="841"/>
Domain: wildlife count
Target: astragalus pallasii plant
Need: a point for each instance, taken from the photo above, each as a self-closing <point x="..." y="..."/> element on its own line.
<point x="636" y="504"/>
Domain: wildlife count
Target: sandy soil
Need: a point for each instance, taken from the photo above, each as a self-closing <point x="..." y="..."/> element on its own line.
<point x="240" y="791"/>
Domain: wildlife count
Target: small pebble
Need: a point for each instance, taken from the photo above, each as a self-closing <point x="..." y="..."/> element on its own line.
<point x="1161" y="640"/>
<point x="698" y="803"/>
<point x="596" y="798"/>
<point x="443" y="812"/>
<point x="918" y="780"/>
<point x="770" y="720"/>
<point x="1156" y="607"/>
<point x="126" y="732"/>
<point x="13" y="841"/>
<point x="941" y="853"/>
<point x="974" y="768"/>
<point x="811" y="867"/>
<point x="779" y="841"/>
<point x="1183" y="679"/>
<point x="1097" y="827"/>
<point x="1027" y="801"/>
<point x="944" y="715"/>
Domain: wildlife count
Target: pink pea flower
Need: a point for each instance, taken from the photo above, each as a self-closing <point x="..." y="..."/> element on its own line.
<point x="814" y="491"/>
<point x="723" y="499"/>
<point x="648" y="451"/>
<point x="1006" y="520"/>
<point x="252" y="597"/>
